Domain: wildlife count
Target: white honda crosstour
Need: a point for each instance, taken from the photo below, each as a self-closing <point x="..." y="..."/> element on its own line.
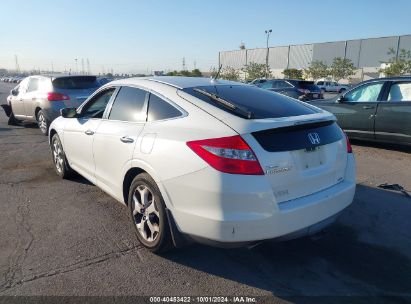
<point x="213" y="161"/>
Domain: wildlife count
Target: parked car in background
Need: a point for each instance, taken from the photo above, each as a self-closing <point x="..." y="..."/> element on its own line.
<point x="298" y="89"/>
<point x="377" y="110"/>
<point x="39" y="98"/>
<point x="208" y="160"/>
<point x="104" y="80"/>
<point x="331" y="86"/>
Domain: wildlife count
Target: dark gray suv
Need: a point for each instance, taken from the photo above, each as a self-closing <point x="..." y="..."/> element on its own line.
<point x="39" y="98"/>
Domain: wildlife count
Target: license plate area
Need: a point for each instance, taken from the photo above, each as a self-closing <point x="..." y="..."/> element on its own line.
<point x="312" y="157"/>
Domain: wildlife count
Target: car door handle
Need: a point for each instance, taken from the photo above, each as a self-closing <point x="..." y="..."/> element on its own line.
<point x="126" y="139"/>
<point x="368" y="107"/>
<point x="89" y="132"/>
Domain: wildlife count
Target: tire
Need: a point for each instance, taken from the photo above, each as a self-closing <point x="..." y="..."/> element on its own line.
<point x="13" y="121"/>
<point x="148" y="213"/>
<point x="61" y="165"/>
<point x="43" y="123"/>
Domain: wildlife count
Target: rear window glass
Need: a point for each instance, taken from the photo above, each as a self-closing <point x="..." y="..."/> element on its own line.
<point x="75" y="82"/>
<point x="261" y="103"/>
<point x="309" y="85"/>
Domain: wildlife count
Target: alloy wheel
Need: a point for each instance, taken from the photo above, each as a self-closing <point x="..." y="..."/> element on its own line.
<point x="146" y="216"/>
<point x="58" y="156"/>
<point x="42" y="123"/>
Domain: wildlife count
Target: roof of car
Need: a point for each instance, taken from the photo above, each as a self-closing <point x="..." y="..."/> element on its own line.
<point x="57" y="75"/>
<point x="179" y="81"/>
<point x="407" y="77"/>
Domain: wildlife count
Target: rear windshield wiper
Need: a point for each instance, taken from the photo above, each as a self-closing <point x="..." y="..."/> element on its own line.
<point x="227" y="104"/>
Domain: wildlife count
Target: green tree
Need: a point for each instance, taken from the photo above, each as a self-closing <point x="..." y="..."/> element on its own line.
<point x="397" y="66"/>
<point x="193" y="73"/>
<point x="341" y="68"/>
<point x="293" y="73"/>
<point x="230" y="73"/>
<point x="317" y="69"/>
<point x="196" y="73"/>
<point x="255" y="70"/>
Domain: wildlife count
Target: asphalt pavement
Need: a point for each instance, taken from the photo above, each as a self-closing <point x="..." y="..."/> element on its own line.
<point x="67" y="237"/>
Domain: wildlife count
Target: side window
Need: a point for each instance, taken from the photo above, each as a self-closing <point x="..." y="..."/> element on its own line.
<point x="267" y="85"/>
<point x="159" y="109"/>
<point x="96" y="106"/>
<point x="365" y="93"/>
<point x="320" y="83"/>
<point x="33" y="85"/>
<point x="400" y="92"/>
<point x="284" y="84"/>
<point x="128" y="105"/>
<point x="23" y="86"/>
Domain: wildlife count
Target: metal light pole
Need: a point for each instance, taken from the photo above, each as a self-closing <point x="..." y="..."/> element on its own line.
<point x="267" y="32"/>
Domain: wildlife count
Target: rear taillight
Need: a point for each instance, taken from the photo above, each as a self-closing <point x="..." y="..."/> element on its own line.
<point x="349" y="148"/>
<point x="227" y="154"/>
<point x="57" y="96"/>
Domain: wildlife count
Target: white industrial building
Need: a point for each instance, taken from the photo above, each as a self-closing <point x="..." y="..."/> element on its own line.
<point x="366" y="54"/>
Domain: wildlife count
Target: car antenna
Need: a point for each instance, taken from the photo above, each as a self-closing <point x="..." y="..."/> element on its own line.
<point x="218" y="72"/>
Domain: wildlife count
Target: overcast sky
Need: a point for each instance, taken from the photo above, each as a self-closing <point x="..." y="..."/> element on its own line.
<point x="140" y="36"/>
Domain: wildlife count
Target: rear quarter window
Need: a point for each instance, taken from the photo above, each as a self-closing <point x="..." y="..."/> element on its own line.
<point x="262" y="103"/>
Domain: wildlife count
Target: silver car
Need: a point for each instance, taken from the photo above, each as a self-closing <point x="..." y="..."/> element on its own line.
<point x="39" y="98"/>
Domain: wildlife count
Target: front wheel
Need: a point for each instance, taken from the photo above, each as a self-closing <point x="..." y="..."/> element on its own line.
<point x="60" y="161"/>
<point x="148" y="213"/>
<point x="43" y="123"/>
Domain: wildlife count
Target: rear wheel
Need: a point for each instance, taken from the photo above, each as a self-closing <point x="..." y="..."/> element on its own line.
<point x="61" y="165"/>
<point x="43" y="123"/>
<point x="148" y="213"/>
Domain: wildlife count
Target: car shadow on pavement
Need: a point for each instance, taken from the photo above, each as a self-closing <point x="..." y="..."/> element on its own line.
<point x="77" y="178"/>
<point x="366" y="253"/>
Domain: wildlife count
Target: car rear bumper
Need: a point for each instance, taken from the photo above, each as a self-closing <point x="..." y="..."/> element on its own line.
<point x="224" y="208"/>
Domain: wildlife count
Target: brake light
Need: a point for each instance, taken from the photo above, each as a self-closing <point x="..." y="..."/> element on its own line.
<point x="227" y="154"/>
<point x="57" y="96"/>
<point x="349" y="148"/>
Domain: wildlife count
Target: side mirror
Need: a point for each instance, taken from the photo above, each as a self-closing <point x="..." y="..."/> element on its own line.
<point x="69" y="112"/>
<point x="14" y="92"/>
<point x="341" y="99"/>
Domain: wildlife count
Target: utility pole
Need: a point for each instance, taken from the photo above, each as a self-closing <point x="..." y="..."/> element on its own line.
<point x="76" y="65"/>
<point x="88" y="67"/>
<point x="17" y="64"/>
<point x="184" y="63"/>
<point x="82" y="65"/>
<point x="267" y="32"/>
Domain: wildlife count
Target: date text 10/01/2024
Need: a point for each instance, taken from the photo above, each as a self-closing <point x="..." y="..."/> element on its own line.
<point x="201" y="299"/>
